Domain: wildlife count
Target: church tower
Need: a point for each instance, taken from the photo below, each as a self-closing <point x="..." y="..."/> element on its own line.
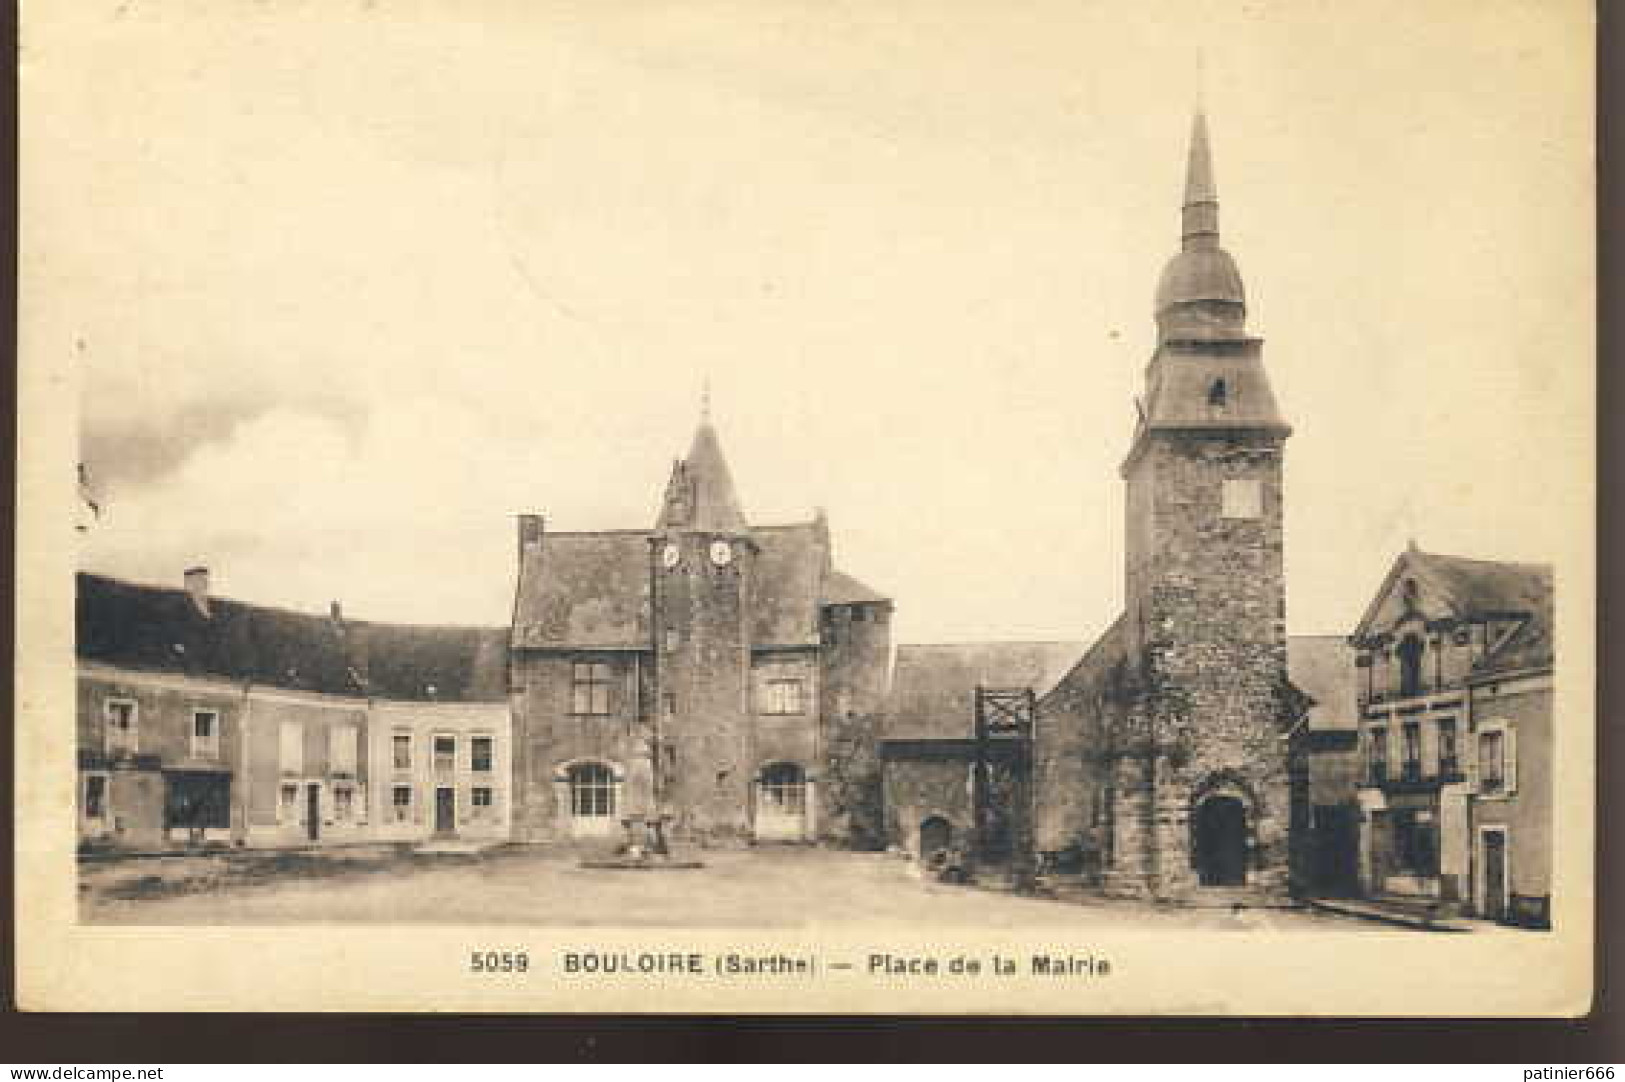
<point x="1200" y="776"/>
<point x="701" y="600"/>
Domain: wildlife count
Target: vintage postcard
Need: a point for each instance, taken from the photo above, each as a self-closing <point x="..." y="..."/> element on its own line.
<point x="1064" y="508"/>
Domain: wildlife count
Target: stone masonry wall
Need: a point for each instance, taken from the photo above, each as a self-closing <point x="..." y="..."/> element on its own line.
<point x="712" y="760"/>
<point x="1212" y="605"/>
<point x="856" y="659"/>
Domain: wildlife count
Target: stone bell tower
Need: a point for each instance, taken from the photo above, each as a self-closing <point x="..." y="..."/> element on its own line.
<point x="1200" y="785"/>
<point x="702" y="565"/>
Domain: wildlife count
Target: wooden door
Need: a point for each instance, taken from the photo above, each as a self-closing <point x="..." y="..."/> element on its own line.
<point x="313" y="811"/>
<point x="1495" y="874"/>
<point x="445" y="811"/>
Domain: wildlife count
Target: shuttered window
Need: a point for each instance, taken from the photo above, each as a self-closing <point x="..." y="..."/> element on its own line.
<point x="343" y="749"/>
<point x="291" y="747"/>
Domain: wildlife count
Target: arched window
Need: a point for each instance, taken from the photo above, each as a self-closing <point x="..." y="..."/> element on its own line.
<point x="1217" y="393"/>
<point x="1411" y="593"/>
<point x="1410" y="665"/>
<point x="592" y="790"/>
<point x="784" y="789"/>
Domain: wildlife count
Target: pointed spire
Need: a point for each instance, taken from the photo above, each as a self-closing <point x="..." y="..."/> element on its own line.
<point x="1200" y="217"/>
<point x="705" y="401"/>
<point x="700" y="494"/>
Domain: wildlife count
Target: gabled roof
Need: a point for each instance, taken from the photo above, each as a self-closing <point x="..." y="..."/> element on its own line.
<point x="160" y="629"/>
<point x="1322" y="667"/>
<point x="591" y="590"/>
<point x="934" y="686"/>
<point x="1460" y="588"/>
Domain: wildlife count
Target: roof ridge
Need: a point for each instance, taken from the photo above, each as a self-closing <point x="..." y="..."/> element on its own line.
<point x="1534" y="565"/>
<point x="598" y="533"/>
<point x="179" y="593"/>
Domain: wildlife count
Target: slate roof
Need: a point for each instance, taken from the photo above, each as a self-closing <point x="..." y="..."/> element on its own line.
<point x="591" y="590"/>
<point x="160" y="629"/>
<point x="842" y="589"/>
<point x="700" y="495"/>
<point x="1473" y="589"/>
<point x="584" y="590"/>
<point x="430" y="663"/>
<point x="1487" y="587"/>
<point x="934" y="687"/>
<point x="1322" y="667"/>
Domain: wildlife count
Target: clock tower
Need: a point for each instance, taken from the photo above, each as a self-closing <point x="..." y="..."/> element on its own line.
<point x="702" y="564"/>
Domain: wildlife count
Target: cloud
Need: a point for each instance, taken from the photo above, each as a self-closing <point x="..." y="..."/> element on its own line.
<point x="129" y="451"/>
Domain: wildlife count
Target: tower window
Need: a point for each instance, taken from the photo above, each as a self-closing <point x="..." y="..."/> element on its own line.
<point x="589" y="688"/>
<point x="1242" y="498"/>
<point x="783" y="697"/>
<point x="1217" y="394"/>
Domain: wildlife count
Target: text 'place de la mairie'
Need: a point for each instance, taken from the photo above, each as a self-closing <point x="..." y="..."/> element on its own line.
<point x="703" y="690"/>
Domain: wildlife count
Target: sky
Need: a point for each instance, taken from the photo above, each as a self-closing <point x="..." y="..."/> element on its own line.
<point x="339" y="289"/>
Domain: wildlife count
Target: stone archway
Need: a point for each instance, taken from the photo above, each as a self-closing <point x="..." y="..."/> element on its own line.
<point x="1219" y="841"/>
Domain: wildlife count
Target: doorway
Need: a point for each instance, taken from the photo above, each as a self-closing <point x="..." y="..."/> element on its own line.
<point x="313" y="811"/>
<point x="936" y="835"/>
<point x="1221" y="842"/>
<point x="1495" y="874"/>
<point x="781" y="803"/>
<point x="445" y="811"/>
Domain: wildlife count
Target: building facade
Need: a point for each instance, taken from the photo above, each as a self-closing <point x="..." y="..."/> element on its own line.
<point x="1455" y="659"/>
<point x="442" y="769"/>
<point x="723" y="676"/>
<point x="206" y="721"/>
<point x="929" y="750"/>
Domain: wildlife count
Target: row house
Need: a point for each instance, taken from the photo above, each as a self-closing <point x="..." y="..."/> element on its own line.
<point x="205" y="721"/>
<point x="1454" y="662"/>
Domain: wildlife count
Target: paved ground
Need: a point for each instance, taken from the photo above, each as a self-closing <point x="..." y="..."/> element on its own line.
<point x="766" y="887"/>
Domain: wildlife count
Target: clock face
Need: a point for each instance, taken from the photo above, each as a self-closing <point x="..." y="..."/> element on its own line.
<point x="721" y="553"/>
<point x="669" y="556"/>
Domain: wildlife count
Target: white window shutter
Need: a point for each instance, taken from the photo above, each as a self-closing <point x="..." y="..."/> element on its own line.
<point x="341" y="749"/>
<point x="1509" y="746"/>
<point x="292" y="747"/>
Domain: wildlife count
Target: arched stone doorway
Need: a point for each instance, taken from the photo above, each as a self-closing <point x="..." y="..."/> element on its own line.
<point x="1219" y="842"/>
<point x="782" y="802"/>
<point x="936" y="835"/>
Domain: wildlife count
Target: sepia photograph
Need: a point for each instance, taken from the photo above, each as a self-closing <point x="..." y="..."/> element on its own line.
<point x="755" y="506"/>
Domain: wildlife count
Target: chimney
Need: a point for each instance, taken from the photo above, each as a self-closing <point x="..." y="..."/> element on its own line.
<point x="197" y="585"/>
<point x="335" y="612"/>
<point x="530" y="533"/>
